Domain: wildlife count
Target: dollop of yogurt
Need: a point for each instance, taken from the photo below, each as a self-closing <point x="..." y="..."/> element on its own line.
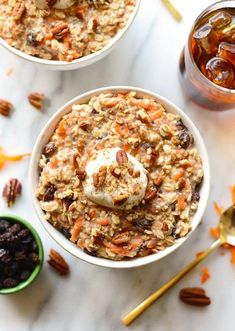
<point x="115" y="179"/>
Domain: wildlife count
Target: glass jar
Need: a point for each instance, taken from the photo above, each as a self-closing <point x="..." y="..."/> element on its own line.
<point x="195" y="84"/>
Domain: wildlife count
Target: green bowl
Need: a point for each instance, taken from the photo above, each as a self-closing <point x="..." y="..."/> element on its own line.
<point x="36" y="271"/>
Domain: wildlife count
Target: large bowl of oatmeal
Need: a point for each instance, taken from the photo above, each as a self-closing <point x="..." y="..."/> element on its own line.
<point x="120" y="177"/>
<point x="64" y="34"/>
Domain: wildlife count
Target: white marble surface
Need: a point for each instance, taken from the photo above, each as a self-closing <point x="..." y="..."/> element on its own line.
<point x="92" y="298"/>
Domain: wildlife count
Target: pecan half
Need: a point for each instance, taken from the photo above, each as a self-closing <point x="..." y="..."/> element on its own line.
<point x="81" y="174"/>
<point x="36" y="99"/>
<point x="58" y="263"/>
<point x="18" y="10"/>
<point x="150" y="193"/>
<point x="121" y="238"/>
<point x="121" y="157"/>
<point x="195" y="296"/>
<point x="60" y="30"/>
<point x="115" y="171"/>
<point x="5" y="107"/>
<point x="99" y="177"/>
<point x="11" y="191"/>
<point x="120" y="199"/>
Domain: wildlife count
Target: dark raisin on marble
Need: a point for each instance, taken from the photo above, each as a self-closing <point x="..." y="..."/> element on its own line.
<point x="49" y="192"/>
<point x="143" y="224"/>
<point x="32" y="39"/>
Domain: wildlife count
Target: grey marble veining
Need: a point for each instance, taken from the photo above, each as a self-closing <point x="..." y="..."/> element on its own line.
<point x="93" y="298"/>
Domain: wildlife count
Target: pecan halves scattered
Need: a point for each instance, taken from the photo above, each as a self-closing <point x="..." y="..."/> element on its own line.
<point x="121" y="157"/>
<point x="11" y="191"/>
<point x="195" y="296"/>
<point x="5" y="107"/>
<point x="58" y="263"/>
<point x="36" y="100"/>
<point x="18" y="10"/>
<point x="60" y="31"/>
<point x="99" y="177"/>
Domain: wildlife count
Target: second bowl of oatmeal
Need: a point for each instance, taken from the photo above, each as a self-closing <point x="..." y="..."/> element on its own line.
<point x="64" y="34"/>
<point x="120" y="177"/>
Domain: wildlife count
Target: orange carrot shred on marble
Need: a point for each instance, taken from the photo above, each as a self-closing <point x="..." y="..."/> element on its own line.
<point x="214" y="232"/>
<point x="233" y="194"/>
<point x="205" y="275"/>
<point x="232" y="251"/>
<point x="10" y="158"/>
<point x="218" y="209"/>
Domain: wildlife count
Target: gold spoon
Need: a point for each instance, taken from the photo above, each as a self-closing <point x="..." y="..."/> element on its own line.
<point x="227" y="236"/>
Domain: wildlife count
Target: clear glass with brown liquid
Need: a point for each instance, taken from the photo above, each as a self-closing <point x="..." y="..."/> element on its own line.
<point x="207" y="63"/>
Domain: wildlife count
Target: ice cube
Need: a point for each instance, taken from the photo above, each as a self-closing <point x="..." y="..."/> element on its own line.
<point x="220" y="72"/>
<point x="206" y="39"/>
<point x="229" y="33"/>
<point x="227" y="52"/>
<point x="220" y="20"/>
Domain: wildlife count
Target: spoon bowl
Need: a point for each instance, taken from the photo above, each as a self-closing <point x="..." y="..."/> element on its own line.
<point x="227" y="226"/>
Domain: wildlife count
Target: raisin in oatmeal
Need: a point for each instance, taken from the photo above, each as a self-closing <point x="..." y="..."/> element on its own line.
<point x="64" y="29"/>
<point x="120" y="176"/>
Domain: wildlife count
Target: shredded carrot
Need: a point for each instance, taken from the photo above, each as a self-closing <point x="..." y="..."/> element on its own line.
<point x="218" y="209"/>
<point x="214" y="232"/>
<point x="76" y="229"/>
<point x="53" y="163"/>
<point x="126" y="147"/>
<point x="122" y="130"/>
<point x="181" y="202"/>
<point x="12" y="158"/>
<point x="205" y="275"/>
<point x="233" y="194"/>
<point x="61" y="128"/>
<point x="103" y="221"/>
<point x="155" y="114"/>
<point x="178" y="175"/>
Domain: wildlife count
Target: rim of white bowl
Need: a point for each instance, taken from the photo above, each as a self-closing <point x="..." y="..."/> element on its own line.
<point x="59" y="237"/>
<point x="80" y="62"/>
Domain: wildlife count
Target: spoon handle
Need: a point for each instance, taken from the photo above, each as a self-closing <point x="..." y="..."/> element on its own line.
<point x="129" y="318"/>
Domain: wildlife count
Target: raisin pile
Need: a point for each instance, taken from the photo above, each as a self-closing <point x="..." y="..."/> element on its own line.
<point x="18" y="253"/>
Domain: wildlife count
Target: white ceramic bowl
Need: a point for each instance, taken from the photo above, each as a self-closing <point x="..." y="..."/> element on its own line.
<point x="60" y="238"/>
<point x="78" y="63"/>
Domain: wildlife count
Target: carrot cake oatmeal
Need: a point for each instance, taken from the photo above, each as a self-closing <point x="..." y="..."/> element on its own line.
<point x="120" y="176"/>
<point x="62" y="29"/>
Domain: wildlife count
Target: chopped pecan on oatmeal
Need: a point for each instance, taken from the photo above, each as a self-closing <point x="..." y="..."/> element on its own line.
<point x="121" y="186"/>
<point x="62" y="30"/>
